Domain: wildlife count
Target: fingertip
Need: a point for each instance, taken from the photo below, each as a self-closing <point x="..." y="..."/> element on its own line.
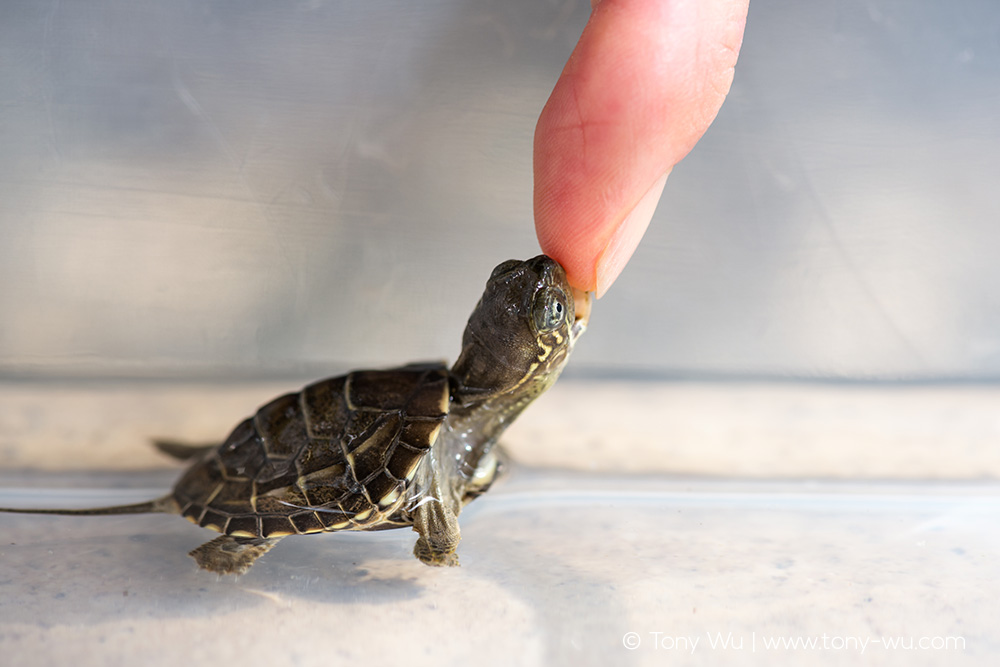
<point x="580" y="273"/>
<point x="644" y="83"/>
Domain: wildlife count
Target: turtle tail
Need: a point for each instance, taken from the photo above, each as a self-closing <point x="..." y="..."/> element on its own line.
<point x="166" y="505"/>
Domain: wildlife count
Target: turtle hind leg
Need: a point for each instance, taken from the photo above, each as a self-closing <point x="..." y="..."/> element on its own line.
<point x="232" y="555"/>
<point x="182" y="451"/>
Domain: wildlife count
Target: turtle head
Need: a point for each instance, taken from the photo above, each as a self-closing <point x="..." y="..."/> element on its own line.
<point x="521" y="333"/>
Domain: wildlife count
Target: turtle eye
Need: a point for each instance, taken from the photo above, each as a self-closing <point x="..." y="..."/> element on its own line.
<point x="549" y="309"/>
<point x="504" y="267"/>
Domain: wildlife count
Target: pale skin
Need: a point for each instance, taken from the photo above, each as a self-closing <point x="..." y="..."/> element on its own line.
<point x="642" y="86"/>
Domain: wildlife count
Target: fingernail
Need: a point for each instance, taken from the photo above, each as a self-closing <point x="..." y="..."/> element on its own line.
<point x="626" y="238"/>
<point x="581" y="304"/>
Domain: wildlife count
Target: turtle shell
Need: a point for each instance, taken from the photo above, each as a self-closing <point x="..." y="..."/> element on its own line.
<point x="339" y="455"/>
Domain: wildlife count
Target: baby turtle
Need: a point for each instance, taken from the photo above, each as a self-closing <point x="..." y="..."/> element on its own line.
<point x="372" y="450"/>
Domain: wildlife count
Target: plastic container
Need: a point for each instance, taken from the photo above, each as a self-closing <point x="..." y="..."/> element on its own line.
<point x="777" y="443"/>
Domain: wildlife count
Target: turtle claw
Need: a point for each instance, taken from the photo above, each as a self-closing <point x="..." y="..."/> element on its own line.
<point x="231" y="555"/>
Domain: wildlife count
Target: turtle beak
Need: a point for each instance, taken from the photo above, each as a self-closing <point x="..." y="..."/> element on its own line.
<point x="582" y="302"/>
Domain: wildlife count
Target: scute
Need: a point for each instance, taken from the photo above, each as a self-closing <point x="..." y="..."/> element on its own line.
<point x="369" y="452"/>
<point x="324" y="408"/>
<point x="231" y="497"/>
<point x="244" y="526"/>
<point x="365" y="390"/>
<point x="431" y="400"/>
<point x="334" y="519"/>
<point x="281" y="425"/>
<point x="276" y="526"/>
<point x="321" y="455"/>
<point x="242" y="455"/>
<point x="380" y="486"/>
<point x="214" y="520"/>
<point x="337" y="455"/>
<point x="306" y="522"/>
<point x="420" y="434"/>
<point x="328" y="486"/>
<point x="283" y="500"/>
<point x="404" y="462"/>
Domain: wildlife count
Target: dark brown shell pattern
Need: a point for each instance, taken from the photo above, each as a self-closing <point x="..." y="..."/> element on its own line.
<point x="338" y="455"/>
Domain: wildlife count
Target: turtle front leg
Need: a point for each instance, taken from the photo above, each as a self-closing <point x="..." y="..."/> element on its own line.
<point x="232" y="555"/>
<point x="439" y="533"/>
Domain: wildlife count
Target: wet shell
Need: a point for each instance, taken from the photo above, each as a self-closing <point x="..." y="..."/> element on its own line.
<point x="339" y="455"/>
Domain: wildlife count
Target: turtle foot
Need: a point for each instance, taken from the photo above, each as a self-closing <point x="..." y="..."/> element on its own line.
<point x="439" y="533"/>
<point x="428" y="556"/>
<point x="231" y="555"/>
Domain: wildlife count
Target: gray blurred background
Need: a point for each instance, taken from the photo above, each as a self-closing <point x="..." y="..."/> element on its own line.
<point x="216" y="189"/>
